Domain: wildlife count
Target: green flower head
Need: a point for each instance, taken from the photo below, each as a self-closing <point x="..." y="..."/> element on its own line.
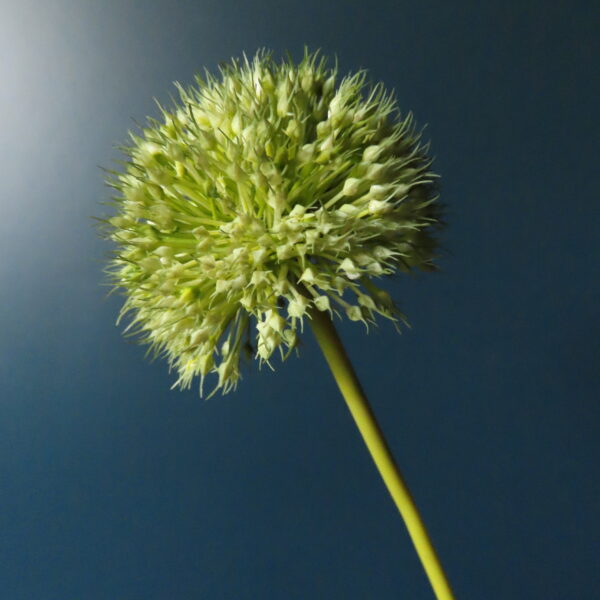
<point x="264" y="194"/>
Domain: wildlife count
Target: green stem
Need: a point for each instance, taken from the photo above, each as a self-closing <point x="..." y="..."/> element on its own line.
<point x="357" y="402"/>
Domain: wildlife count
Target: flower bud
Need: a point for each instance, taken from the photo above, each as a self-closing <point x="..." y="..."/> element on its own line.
<point x="351" y="186"/>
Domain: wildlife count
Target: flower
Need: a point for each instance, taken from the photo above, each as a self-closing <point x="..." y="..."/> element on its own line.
<point x="263" y="194"/>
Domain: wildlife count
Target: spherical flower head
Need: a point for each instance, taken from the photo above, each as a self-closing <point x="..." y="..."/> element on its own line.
<point x="264" y="194"/>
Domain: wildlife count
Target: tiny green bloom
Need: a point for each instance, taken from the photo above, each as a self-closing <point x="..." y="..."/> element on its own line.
<point x="265" y="193"/>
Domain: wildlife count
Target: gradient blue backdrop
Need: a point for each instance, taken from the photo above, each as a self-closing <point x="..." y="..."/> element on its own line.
<point x="113" y="486"/>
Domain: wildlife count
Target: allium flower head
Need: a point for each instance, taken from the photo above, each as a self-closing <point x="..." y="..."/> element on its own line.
<point x="265" y="193"/>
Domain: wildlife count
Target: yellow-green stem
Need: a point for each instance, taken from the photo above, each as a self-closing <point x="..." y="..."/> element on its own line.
<point x="357" y="402"/>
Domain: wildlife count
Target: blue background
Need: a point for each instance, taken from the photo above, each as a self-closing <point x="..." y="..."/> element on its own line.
<point x="114" y="486"/>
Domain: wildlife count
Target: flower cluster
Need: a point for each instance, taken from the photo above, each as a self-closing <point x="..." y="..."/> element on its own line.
<point x="266" y="193"/>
